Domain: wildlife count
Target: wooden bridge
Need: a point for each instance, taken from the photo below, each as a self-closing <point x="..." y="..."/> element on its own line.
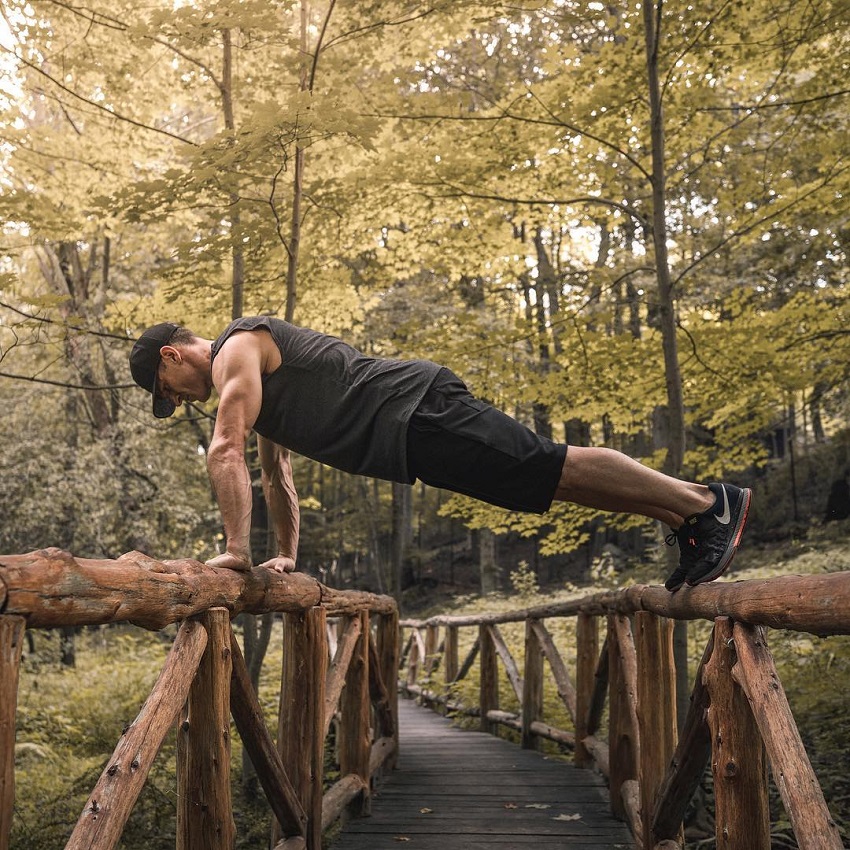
<point x="343" y="651"/>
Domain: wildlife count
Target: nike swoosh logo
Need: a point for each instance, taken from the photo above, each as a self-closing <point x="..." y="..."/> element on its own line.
<point x="724" y="518"/>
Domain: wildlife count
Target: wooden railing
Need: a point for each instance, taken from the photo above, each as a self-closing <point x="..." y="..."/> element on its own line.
<point x="739" y="717"/>
<point x="345" y="667"/>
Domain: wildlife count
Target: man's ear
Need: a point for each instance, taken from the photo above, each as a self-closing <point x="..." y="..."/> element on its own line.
<point x="171" y="354"/>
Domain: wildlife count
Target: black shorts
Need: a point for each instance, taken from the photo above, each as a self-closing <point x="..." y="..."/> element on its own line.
<point x="458" y="443"/>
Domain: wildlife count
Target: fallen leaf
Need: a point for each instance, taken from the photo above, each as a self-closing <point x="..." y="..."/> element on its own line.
<point x="401" y="838"/>
<point x="568" y="817"/>
<point x="538" y="806"/>
<point x="511" y="806"/>
<point x="425" y="811"/>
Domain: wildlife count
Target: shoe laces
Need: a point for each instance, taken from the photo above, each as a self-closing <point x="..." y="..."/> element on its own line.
<point x="686" y="538"/>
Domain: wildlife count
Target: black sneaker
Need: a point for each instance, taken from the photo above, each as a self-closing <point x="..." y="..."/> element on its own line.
<point x="717" y="532"/>
<point x="687" y="556"/>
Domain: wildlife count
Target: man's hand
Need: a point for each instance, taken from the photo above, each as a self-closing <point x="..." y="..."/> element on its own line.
<point x="280" y="564"/>
<point x="231" y="561"/>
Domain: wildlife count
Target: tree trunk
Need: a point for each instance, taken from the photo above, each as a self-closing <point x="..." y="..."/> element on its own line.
<point x="237" y="255"/>
<point x="67" y="647"/>
<point x="297" y="181"/>
<point x="255" y="634"/>
<point x="487" y="561"/>
<point x="402" y="538"/>
<point x="675" y="418"/>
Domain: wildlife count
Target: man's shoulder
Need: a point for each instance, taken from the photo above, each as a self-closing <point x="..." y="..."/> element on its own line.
<point x="252" y="346"/>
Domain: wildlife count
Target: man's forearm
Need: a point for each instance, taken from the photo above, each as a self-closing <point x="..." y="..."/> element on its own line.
<point x="232" y="487"/>
<point x="283" y="504"/>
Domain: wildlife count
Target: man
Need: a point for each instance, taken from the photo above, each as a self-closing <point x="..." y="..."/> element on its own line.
<point x="400" y="420"/>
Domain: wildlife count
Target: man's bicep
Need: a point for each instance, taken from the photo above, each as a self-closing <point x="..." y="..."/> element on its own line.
<point x="239" y="382"/>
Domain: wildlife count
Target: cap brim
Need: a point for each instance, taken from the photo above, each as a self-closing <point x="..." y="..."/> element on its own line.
<point x="162" y="407"/>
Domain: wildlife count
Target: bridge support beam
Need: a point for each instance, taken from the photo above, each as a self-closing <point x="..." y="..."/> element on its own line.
<point x="355" y="746"/>
<point x="488" y="697"/>
<point x="814" y="827"/>
<point x="532" y="690"/>
<point x="738" y="758"/>
<point x="11" y="645"/>
<point x="656" y="709"/>
<point x="623" y="731"/>
<point x="587" y="652"/>
<point x="387" y="639"/>
<point x="111" y="801"/>
<point x="301" y="721"/>
<point x="204" y="808"/>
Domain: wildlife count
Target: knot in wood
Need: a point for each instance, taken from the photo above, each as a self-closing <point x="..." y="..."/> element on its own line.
<point x="731" y="769"/>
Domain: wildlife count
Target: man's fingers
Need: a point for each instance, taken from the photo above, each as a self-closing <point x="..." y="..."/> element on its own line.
<point x="280" y="565"/>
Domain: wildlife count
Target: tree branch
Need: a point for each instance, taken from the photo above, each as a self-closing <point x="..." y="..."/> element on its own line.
<point x="772" y="215"/>
<point x="75" y="328"/>
<point x="319" y="44"/>
<point x="65" y="383"/>
<point x="88" y="102"/>
<point x="582" y="199"/>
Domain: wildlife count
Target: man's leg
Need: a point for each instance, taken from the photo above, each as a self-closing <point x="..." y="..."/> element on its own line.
<point x="611" y="481"/>
<point x="708" y="520"/>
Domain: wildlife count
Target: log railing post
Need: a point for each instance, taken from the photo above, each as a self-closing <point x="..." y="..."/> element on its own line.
<point x="11" y="645"/>
<point x="532" y="688"/>
<point x="450" y="663"/>
<point x="623" y="742"/>
<point x="301" y="719"/>
<point x="656" y="710"/>
<point x="587" y="651"/>
<point x="413" y="659"/>
<point x="354" y="735"/>
<point x="802" y="796"/>
<point x="738" y="761"/>
<point x="204" y="810"/>
<point x="432" y="637"/>
<point x="388" y="644"/>
<point x="111" y="801"/>
<point x="687" y="764"/>
<point x="489" y="683"/>
<point x="563" y="682"/>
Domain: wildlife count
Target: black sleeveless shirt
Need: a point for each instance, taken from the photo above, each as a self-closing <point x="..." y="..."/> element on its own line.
<point x="329" y="402"/>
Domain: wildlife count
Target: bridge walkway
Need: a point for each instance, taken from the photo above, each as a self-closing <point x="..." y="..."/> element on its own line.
<point x="461" y="790"/>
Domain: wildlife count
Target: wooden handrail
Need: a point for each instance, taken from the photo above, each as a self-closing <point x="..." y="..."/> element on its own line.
<point x="739" y="717"/>
<point x="817" y="604"/>
<point x="205" y="680"/>
<point x="50" y="587"/>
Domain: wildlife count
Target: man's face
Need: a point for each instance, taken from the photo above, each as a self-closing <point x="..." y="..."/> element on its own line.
<point x="179" y="380"/>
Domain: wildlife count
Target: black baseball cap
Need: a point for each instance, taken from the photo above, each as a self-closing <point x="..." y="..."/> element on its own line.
<point x="144" y="364"/>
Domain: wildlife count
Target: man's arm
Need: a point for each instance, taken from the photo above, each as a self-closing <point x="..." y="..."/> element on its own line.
<point x="237" y="375"/>
<point x="282" y="500"/>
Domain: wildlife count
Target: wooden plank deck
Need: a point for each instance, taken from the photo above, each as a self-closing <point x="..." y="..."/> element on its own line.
<point x="459" y="790"/>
